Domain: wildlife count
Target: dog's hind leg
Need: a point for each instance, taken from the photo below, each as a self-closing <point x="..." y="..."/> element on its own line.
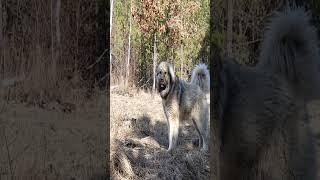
<point x="200" y="136"/>
<point x="200" y="121"/>
<point x="206" y="128"/>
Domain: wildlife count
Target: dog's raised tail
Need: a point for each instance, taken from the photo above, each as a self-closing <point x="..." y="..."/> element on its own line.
<point x="290" y="49"/>
<point x="201" y="77"/>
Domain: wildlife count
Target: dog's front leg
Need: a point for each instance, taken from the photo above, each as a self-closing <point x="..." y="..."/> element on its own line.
<point x="173" y="122"/>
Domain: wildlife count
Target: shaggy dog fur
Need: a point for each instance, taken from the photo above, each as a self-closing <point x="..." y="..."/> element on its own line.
<point x="183" y="101"/>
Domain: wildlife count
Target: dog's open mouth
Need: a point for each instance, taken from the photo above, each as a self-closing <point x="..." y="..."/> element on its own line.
<point x="162" y="86"/>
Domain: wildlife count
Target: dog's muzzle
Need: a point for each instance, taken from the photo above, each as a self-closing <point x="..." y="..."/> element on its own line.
<point x="162" y="85"/>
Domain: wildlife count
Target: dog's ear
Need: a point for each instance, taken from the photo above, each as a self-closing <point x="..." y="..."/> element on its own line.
<point x="171" y="72"/>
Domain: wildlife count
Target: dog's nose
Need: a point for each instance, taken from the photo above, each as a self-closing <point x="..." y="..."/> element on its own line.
<point x="161" y="79"/>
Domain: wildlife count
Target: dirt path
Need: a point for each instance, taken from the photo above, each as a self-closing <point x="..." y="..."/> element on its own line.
<point x="40" y="143"/>
<point x="139" y="139"/>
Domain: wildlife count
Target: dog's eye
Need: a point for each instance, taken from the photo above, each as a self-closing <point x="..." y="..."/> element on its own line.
<point x="165" y="73"/>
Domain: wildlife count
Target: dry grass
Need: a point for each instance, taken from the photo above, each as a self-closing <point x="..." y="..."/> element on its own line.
<point x="49" y="143"/>
<point x="314" y="114"/>
<point x="49" y="129"/>
<point x="139" y="139"/>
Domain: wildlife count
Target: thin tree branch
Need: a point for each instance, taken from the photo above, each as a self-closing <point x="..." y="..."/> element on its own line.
<point x="98" y="60"/>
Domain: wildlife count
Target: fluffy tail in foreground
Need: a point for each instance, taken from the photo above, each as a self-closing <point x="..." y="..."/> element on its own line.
<point x="201" y="77"/>
<point x="290" y="50"/>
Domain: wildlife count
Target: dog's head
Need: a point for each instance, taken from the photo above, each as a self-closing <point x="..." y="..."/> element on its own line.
<point x="165" y="78"/>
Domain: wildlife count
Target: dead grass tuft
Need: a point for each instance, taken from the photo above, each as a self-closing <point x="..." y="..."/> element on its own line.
<point x="120" y="164"/>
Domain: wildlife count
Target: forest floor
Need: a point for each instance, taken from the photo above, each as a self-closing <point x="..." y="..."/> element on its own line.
<point x="53" y="142"/>
<point x="139" y="139"/>
<point x="314" y="114"/>
<point x="59" y="142"/>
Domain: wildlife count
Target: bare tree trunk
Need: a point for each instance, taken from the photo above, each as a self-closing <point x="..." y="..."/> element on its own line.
<point x="215" y="121"/>
<point x="55" y="37"/>
<point x="1" y="32"/>
<point x="181" y="61"/>
<point x="154" y="61"/>
<point x="58" y="5"/>
<point x="58" y="39"/>
<point x="229" y="27"/>
<point x="1" y="26"/>
<point x="111" y="10"/>
<point x="52" y="37"/>
<point x="129" y="47"/>
<point x="1" y="38"/>
<point x="78" y="20"/>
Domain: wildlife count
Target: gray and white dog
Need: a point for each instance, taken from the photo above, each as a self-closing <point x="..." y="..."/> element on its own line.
<point x="265" y="129"/>
<point x="183" y="101"/>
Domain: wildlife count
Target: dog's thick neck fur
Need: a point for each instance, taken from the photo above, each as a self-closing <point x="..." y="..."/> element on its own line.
<point x="174" y="85"/>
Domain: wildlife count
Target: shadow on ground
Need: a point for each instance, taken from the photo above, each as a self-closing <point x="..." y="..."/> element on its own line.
<point x="143" y="154"/>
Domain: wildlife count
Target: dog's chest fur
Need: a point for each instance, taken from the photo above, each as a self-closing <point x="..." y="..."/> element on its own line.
<point x="182" y="100"/>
